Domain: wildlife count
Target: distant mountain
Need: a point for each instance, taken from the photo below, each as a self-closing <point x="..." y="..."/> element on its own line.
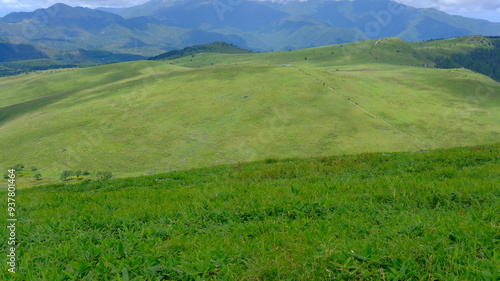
<point x="163" y="25"/>
<point x="20" y="58"/>
<point x="71" y="17"/>
<point x="65" y="27"/>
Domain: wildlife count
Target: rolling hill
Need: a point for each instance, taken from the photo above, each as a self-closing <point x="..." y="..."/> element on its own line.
<point x="476" y="53"/>
<point x="216" y="47"/>
<point x="207" y="109"/>
<point x="158" y="26"/>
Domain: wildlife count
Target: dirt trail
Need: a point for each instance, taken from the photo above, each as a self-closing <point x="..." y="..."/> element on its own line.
<point x="420" y="143"/>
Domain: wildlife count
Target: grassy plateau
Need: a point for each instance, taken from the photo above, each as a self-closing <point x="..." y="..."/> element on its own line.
<point x="431" y="215"/>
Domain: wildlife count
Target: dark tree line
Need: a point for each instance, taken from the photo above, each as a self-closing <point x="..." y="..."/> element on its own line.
<point x="481" y="60"/>
<point x="15" y="52"/>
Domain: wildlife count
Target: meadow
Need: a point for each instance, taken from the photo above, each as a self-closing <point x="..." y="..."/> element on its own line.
<point x="146" y="117"/>
<point x="428" y="215"/>
<point x="357" y="161"/>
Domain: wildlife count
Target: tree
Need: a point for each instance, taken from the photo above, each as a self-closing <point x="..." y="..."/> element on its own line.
<point x="78" y="174"/>
<point x="104" y="175"/>
<point x="65" y="175"/>
<point x="38" y="176"/>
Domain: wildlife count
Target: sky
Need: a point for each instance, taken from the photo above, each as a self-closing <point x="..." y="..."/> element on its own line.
<point x="481" y="9"/>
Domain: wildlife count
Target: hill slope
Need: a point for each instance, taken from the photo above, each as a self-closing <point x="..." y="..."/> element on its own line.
<point x="149" y="116"/>
<point x="477" y="53"/>
<point x="216" y="47"/>
<point x="398" y="216"/>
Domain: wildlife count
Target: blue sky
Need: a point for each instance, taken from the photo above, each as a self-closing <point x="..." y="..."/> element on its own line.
<point x="483" y="9"/>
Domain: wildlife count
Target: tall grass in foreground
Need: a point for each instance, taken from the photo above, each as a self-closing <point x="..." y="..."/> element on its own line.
<point x="400" y="216"/>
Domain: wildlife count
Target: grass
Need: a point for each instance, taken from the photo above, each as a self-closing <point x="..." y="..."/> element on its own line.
<point x="447" y="47"/>
<point x="147" y="117"/>
<point x="392" y="216"/>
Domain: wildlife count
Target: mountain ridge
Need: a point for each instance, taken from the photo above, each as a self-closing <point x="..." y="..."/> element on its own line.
<point x="158" y="26"/>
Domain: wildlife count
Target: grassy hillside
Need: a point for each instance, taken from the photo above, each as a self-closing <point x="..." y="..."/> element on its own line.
<point x="477" y="53"/>
<point x="216" y="47"/>
<point x="394" y="216"/>
<point x="152" y="116"/>
<point x="448" y="47"/>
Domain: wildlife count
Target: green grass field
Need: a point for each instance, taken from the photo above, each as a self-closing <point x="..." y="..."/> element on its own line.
<point x="447" y="47"/>
<point x="349" y="162"/>
<point x="207" y="109"/>
<point x="374" y="216"/>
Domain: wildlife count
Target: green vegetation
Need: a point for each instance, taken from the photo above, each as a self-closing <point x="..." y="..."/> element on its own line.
<point x="13" y="52"/>
<point x="146" y="117"/>
<point x="477" y="53"/>
<point x="25" y="66"/>
<point x="429" y="215"/>
<point x="448" y="47"/>
<point x="66" y="174"/>
<point x="58" y="59"/>
<point x="104" y="175"/>
<point x="216" y="47"/>
<point x="485" y="61"/>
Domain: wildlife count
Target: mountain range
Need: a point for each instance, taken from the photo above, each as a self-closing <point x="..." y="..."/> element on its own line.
<point x="163" y="25"/>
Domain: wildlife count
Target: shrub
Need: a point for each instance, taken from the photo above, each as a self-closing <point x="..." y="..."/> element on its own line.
<point x="270" y="160"/>
<point x="104" y="175"/>
<point x="19" y="167"/>
<point x="65" y="175"/>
